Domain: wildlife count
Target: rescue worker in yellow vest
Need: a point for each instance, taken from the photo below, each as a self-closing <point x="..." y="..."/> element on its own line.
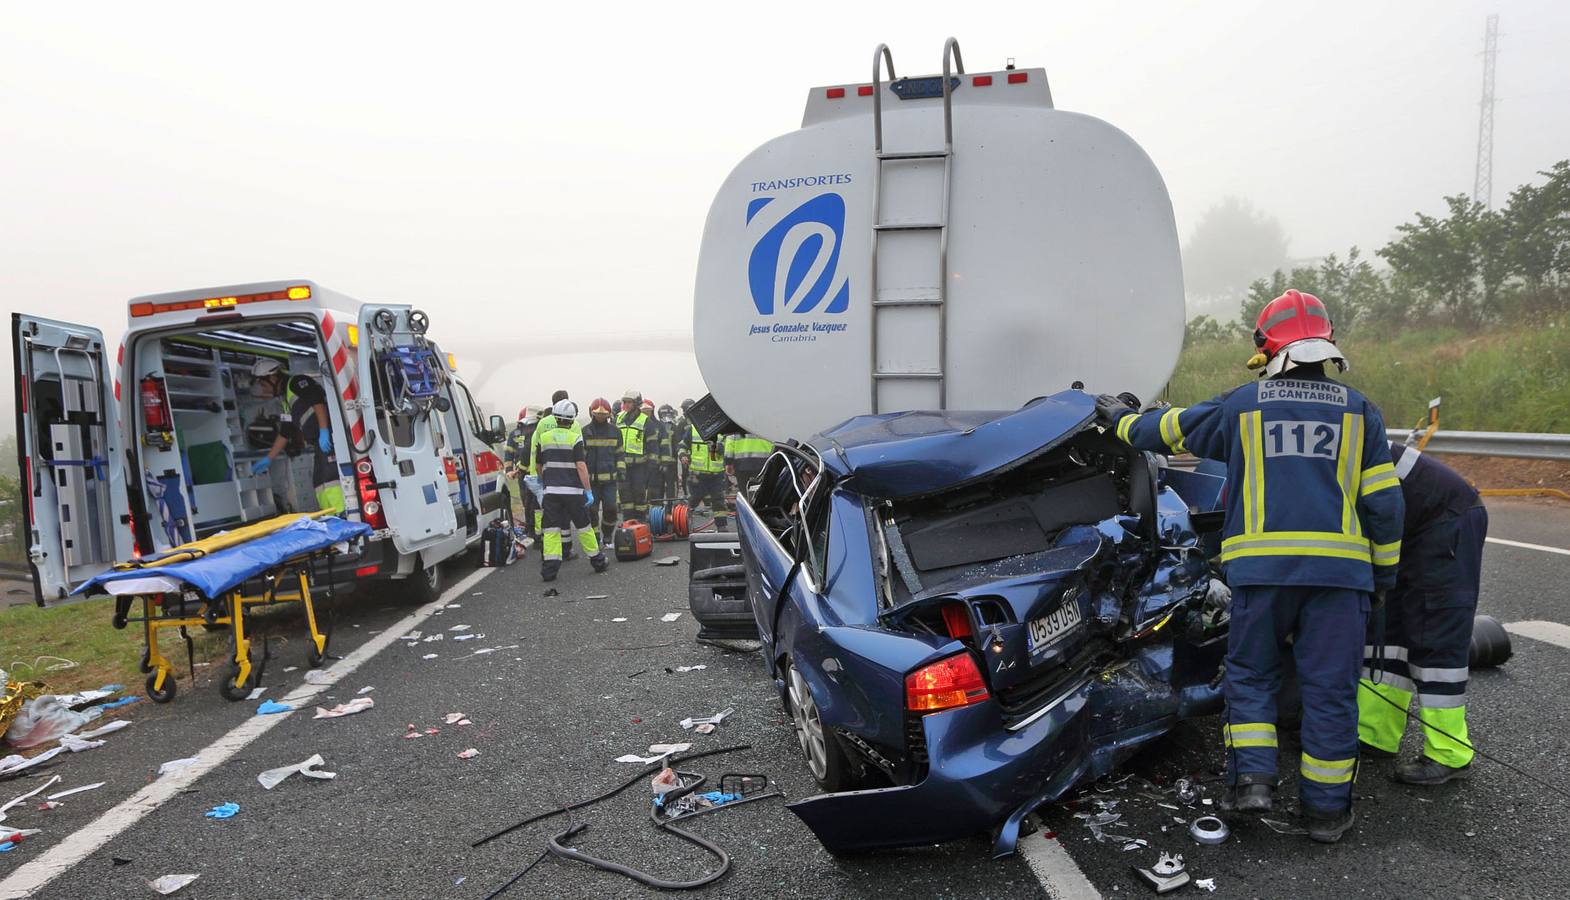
<point x="302" y="425"/>
<point x="564" y="472"/>
<point x="548" y="421"/>
<point x="705" y="463"/>
<point x="745" y="455"/>
<point x="639" y="444"/>
<point x="602" y="445"/>
<point x="1428" y="624"/>
<point x="1312" y="534"/>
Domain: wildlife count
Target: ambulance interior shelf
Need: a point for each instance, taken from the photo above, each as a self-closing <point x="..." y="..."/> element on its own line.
<point x="195" y="409"/>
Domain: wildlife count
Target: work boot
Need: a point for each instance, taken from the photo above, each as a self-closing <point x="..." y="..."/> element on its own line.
<point x="1326" y="827"/>
<point x="1369" y="751"/>
<point x="1253" y="794"/>
<point x="599" y="562"/>
<point x="1426" y="771"/>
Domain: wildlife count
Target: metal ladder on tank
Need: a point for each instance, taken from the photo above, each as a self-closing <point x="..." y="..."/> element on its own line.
<point x="880" y="56"/>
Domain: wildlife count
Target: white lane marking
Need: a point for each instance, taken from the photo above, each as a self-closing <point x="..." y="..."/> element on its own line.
<point x="80" y="844"/>
<point x="1559" y="550"/>
<point x="1060" y="877"/>
<point x="1548" y="632"/>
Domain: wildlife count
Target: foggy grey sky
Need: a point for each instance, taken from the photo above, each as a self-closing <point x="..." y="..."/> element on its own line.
<point x="522" y="172"/>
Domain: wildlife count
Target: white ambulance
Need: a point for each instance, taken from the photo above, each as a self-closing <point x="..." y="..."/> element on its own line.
<point x="161" y="445"/>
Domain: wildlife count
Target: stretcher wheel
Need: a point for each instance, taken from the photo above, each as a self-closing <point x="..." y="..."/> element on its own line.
<point x="163" y="696"/>
<point x="314" y="657"/>
<point x="236" y="692"/>
<point x="147" y="662"/>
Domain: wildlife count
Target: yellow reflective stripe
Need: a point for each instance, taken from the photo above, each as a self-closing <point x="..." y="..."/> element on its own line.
<point x="1273" y="536"/>
<point x="1328" y="771"/>
<point x="1376" y="471"/>
<point x="1172" y="429"/>
<point x="1296" y="543"/>
<point x="1348" y="460"/>
<point x="1249" y="434"/>
<point x="1249" y="734"/>
<point x="1387" y="554"/>
<point x="1376" y="485"/>
<point x="1359" y="555"/>
<point x="1124" y="424"/>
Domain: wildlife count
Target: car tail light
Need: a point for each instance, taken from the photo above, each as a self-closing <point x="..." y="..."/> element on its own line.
<point x="948" y="683"/>
<point x="370" y="500"/>
<point x="956" y="619"/>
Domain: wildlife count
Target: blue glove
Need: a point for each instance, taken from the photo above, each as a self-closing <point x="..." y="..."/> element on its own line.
<point x="588" y="498"/>
<point x="261" y="466"/>
<point x="223" y="811"/>
<point x="324" y="441"/>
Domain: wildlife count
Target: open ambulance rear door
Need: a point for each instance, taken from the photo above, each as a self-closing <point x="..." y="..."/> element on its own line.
<point x="406" y="461"/>
<point x="75" y="505"/>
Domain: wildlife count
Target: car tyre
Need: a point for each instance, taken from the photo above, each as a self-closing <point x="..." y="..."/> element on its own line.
<point x="826" y="759"/>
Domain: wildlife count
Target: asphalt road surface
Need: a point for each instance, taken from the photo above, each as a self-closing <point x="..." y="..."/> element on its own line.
<point x="570" y="683"/>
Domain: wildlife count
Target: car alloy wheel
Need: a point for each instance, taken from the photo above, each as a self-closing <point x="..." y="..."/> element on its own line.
<point x="809" y="725"/>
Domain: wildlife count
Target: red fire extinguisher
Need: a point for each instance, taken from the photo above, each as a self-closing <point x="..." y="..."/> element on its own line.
<point x="156" y="417"/>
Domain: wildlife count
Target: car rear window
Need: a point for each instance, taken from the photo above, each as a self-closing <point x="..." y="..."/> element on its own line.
<point x="1014" y="524"/>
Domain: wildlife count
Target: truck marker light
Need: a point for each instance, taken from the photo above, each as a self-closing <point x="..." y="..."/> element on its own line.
<point x="981" y="81"/>
<point x="219" y="302"/>
<point x="452" y="362"/>
<point x="864" y="91"/>
<point x="366" y="570"/>
<point x="354" y="334"/>
<point x="141" y="309"/>
<point x="836" y="93"/>
<point x="300" y="292"/>
<point x="1018" y="77"/>
<point x="946" y="684"/>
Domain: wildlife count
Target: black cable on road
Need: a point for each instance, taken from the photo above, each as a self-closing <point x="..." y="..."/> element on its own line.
<point x="1468" y="745"/>
<point x="652" y="769"/>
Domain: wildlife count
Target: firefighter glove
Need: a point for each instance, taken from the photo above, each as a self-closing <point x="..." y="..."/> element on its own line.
<point x="1109" y="409"/>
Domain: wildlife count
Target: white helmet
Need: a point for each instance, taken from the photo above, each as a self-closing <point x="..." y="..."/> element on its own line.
<point x="565" y="409"/>
<point x="265" y="366"/>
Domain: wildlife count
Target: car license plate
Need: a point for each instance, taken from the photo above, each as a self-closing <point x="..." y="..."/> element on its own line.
<point x="1045" y="629"/>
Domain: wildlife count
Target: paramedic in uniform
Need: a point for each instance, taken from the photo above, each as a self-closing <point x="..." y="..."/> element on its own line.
<point x="602" y="445"/>
<point x="1428" y="625"/>
<point x="1312" y="539"/>
<point x="564" y="472"/>
<point x="303" y="426"/>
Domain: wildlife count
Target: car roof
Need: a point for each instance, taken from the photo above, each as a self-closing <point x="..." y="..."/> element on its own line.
<point x="910" y="454"/>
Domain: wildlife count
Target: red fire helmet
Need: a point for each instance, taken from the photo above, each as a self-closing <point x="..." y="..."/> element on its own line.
<point x="1292" y="317"/>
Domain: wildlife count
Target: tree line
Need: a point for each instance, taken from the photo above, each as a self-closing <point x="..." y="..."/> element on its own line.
<point x="1471" y="267"/>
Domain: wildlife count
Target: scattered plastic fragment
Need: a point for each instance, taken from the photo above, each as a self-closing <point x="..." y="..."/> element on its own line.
<point x="665" y="781"/>
<point x="470" y="753"/>
<point x="1186" y="791"/>
<point x="270" y="707"/>
<point x="18" y="763"/>
<point x="175" y="765"/>
<point x="705" y="728"/>
<point x="659" y="751"/>
<point x="691" y="668"/>
<point x="48" y="784"/>
<point x="467" y="637"/>
<point x="357" y="705"/>
<point x="49" y="804"/>
<point x="288" y="669"/>
<point x="1205" y="884"/>
<point x="256" y="694"/>
<point x="76" y="745"/>
<point x="1167" y="875"/>
<point x="667" y="561"/>
<point x="670" y="617"/>
<point x="310" y="768"/>
<point x="367" y="689"/>
<point x="1208" y="830"/>
<point x="456" y="605"/>
<point x="429" y="656"/>
<point x="715" y="719"/>
<point x="459" y="628"/>
<point x="88" y="787"/>
<point x="619" y="619"/>
<point x="1135" y="844"/>
<point x="455" y="718"/>
<point x="598" y="597"/>
<point x="168" y="884"/>
<point x="411" y="636"/>
<point x="435" y="637"/>
<point x="223" y="811"/>
<point x="1283" y="827"/>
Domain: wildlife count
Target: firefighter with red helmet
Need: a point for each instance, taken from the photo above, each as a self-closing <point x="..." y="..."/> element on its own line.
<point x="602" y="446"/>
<point x="1311" y="542"/>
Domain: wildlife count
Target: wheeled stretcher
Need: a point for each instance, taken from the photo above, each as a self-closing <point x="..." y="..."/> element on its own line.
<point x="205" y="583"/>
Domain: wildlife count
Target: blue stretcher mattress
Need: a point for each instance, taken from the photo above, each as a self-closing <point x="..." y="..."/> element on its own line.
<point x="223" y="570"/>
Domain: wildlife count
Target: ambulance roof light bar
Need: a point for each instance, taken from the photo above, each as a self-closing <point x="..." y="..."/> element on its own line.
<point x="218" y="304"/>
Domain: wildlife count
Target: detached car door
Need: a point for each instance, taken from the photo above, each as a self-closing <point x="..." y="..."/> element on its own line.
<point x="75" y="507"/>
<point x="406" y="461"/>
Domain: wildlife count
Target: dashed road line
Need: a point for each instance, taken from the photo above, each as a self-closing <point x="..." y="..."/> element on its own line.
<point x="1548" y="632"/>
<point x="1059" y="875"/>
<point x="87" y="840"/>
<point x="1559" y="550"/>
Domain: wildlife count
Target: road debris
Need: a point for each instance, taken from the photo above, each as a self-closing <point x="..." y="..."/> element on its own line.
<point x="467" y="637"/>
<point x="691" y="668"/>
<point x="168" y="884"/>
<point x="48" y="784"/>
<point x="1208" y="830"/>
<point x="457" y="718"/>
<point x="270" y="708"/>
<point x="658" y="751"/>
<point x="435" y="637"/>
<point x="76" y="745"/>
<point x="1205" y="884"/>
<point x="18" y="763"/>
<point x="470" y="753"/>
<point x="598" y="597"/>
<point x="459" y="628"/>
<point x="667" y="561"/>
<point x="1186" y="791"/>
<point x="175" y="765"/>
<point x="670" y="617"/>
<point x="49" y="804"/>
<point x="1167" y="875"/>
<point x="619" y="619"/>
<point x="357" y="705"/>
<point x="116" y="704"/>
<point x="412" y="636"/>
<point x="705" y="728"/>
<point x="310" y="768"/>
<point x="78" y="790"/>
<point x="429" y="656"/>
<point x="715" y="719"/>
<point x="551" y="592"/>
<point x="44" y="719"/>
<point x="223" y="811"/>
<point x="1283" y="827"/>
<point x="256" y="694"/>
<point x="367" y="689"/>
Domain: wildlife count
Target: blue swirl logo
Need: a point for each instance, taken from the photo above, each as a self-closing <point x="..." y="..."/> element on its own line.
<point x="795" y="265"/>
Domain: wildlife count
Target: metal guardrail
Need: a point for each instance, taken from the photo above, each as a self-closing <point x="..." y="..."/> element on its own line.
<point x="1518" y="445"/>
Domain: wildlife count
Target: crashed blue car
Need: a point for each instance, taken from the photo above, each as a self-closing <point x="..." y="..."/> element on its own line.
<point x="968" y="612"/>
